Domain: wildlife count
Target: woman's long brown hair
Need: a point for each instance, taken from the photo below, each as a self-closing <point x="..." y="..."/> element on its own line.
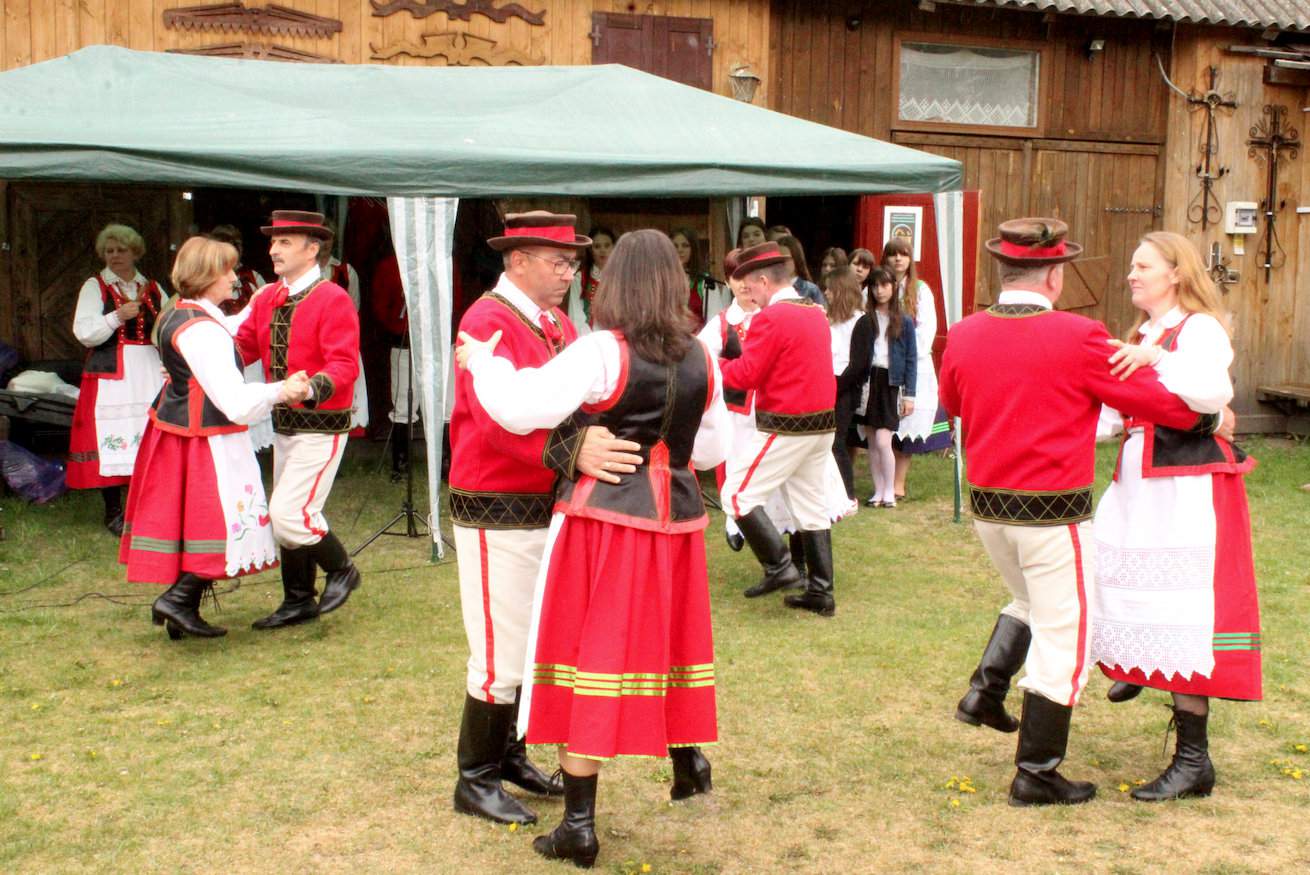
<point x="643" y="294"/>
<point x="845" y="297"/>
<point x="910" y="295"/>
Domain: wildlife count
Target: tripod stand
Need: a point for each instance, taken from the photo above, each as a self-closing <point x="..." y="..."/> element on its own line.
<point x="407" y="512"/>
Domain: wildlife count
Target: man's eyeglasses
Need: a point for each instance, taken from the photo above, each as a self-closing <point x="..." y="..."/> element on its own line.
<point x="563" y="266"/>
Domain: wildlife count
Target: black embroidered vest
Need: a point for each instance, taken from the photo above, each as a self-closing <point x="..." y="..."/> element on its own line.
<point x="106" y="360"/>
<point x="659" y="407"/>
<point x="182" y="407"/>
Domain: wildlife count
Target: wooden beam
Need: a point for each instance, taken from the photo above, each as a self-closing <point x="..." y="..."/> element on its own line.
<point x="1266" y="52"/>
<point x="1282" y="76"/>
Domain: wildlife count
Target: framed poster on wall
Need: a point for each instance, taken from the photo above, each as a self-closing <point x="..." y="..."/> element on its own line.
<point x="905" y="222"/>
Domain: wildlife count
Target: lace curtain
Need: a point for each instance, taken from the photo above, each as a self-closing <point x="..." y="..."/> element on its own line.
<point x="968" y="86"/>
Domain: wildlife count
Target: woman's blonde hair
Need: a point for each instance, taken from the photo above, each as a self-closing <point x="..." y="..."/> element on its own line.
<point x="1197" y="292"/>
<point x="845" y="296"/>
<point x="201" y="261"/>
<point x="122" y="234"/>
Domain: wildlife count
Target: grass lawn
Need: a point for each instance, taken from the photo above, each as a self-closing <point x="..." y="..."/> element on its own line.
<point x="330" y="747"/>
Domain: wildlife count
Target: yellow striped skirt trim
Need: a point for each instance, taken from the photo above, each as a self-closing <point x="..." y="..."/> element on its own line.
<point x="587" y="683"/>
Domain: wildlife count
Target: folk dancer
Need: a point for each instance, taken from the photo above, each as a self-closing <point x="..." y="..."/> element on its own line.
<point x="304" y="322"/>
<point x="788" y="364"/>
<point x="502" y="488"/>
<point x="196" y="512"/>
<point x="1028" y="383"/>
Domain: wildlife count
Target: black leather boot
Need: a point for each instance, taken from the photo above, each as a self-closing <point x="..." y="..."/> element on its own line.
<point x="1191" y="773"/>
<point x="796" y="546"/>
<point x="298" y="605"/>
<point x="483" y="735"/>
<point x="984" y="704"/>
<point x="691" y="773"/>
<point x="1122" y="691"/>
<point x="179" y="608"/>
<point x="818" y="591"/>
<point x="766" y="544"/>
<point x="575" y="837"/>
<point x="113" y="497"/>
<point x="1043" y="738"/>
<point x="516" y="768"/>
<point x="342" y="577"/>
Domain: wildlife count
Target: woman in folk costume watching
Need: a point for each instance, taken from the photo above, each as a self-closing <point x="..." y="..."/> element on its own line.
<point x="114" y="319"/>
<point x="1176" y="606"/>
<point x="587" y="281"/>
<point x="249" y="281"/>
<point x="621" y="638"/>
<point x="196" y="512"/>
<point x="926" y="429"/>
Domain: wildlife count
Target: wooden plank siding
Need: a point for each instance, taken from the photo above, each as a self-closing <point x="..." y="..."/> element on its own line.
<point x="1270" y="320"/>
<point x="38" y="30"/>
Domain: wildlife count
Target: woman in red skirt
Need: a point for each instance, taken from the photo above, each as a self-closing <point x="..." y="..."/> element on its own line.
<point x="621" y="645"/>
<point x="1175" y="606"/>
<point x="196" y="511"/>
<point x="115" y="315"/>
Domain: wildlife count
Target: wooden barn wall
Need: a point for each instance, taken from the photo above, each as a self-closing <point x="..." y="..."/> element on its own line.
<point x="1094" y="160"/>
<point x="1271" y="320"/>
<point x="37" y="30"/>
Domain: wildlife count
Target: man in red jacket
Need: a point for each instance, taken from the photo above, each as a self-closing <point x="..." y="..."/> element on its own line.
<point x="787" y="361"/>
<point x="304" y="322"/>
<point x="502" y="494"/>
<point x="1028" y="383"/>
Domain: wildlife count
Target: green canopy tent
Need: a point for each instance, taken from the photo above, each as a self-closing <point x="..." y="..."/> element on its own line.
<point x="424" y="137"/>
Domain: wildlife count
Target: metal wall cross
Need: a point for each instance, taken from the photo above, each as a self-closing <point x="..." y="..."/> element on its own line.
<point x="1205" y="206"/>
<point x="1269" y="140"/>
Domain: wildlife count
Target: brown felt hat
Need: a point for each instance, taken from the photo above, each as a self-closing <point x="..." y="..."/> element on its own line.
<point x="298" y="222"/>
<point x="539" y="228"/>
<point x="1033" y="241"/>
<point x="756" y="257"/>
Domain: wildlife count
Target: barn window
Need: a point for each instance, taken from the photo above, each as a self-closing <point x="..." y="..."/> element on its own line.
<point x="973" y="85"/>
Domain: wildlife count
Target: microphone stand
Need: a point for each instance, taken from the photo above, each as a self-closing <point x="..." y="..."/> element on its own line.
<point x="407" y="512"/>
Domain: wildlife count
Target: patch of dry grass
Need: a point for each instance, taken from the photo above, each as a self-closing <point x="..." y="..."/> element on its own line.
<point x="330" y="747"/>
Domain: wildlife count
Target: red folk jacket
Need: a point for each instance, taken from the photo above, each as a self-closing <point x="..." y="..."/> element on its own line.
<point x="501" y="480"/>
<point x="787" y="360"/>
<point x="1028" y="384"/>
<point x="316" y="331"/>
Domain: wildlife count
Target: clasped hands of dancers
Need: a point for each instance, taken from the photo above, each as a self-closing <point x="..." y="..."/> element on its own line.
<point x="573" y="464"/>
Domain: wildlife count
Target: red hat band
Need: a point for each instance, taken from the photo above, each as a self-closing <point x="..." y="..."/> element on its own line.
<point x="1014" y="250"/>
<point x="559" y="233"/>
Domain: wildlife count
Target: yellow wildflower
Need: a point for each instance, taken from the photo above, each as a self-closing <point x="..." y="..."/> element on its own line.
<point x="1123" y="787"/>
<point x="645" y="867"/>
<point x="367" y="700"/>
<point x="36" y="756"/>
<point x="1300" y="748"/>
<point x="90" y="754"/>
<point x="116" y="682"/>
<point x="955" y="803"/>
<point x="36" y="706"/>
<point x="513" y="827"/>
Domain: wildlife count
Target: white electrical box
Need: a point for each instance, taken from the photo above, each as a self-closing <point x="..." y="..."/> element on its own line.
<point x="1241" y="217"/>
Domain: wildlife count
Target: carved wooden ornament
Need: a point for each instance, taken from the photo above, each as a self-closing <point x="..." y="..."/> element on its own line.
<point x="271" y="19"/>
<point x="257" y="52"/>
<point x="455" y="47"/>
<point x="458" y="11"/>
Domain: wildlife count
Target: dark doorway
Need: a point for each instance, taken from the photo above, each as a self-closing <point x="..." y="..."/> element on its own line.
<point x="818" y="222"/>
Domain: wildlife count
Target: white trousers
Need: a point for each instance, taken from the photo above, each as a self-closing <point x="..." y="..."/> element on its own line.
<point x="1050" y="572"/>
<point x="401" y="373"/>
<point x="497" y="574"/>
<point x="794" y="463"/>
<point x="304" y="466"/>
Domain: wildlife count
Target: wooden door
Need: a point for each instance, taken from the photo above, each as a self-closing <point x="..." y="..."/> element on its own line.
<point x="53" y="228"/>
<point x="676" y="48"/>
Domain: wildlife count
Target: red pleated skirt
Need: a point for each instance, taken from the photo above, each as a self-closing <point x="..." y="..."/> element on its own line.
<point x="624" y="663"/>
<point x="173" y="522"/>
<point x="1237" y="667"/>
<point x="83" y="470"/>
